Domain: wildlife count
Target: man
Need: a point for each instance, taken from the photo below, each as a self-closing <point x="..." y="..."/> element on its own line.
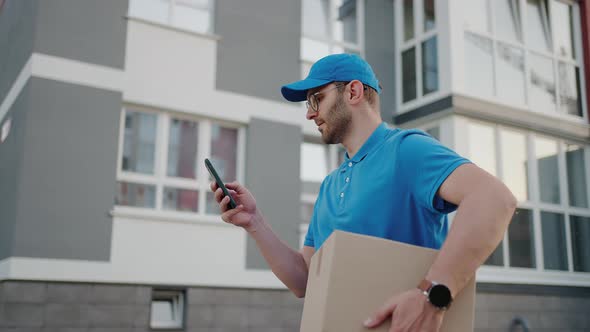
<point x="395" y="184"/>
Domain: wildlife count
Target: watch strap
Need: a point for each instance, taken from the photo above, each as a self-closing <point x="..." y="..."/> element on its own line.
<point x="425" y="285"/>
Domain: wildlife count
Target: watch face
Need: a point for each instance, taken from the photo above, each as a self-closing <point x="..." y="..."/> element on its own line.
<point x="440" y="296"/>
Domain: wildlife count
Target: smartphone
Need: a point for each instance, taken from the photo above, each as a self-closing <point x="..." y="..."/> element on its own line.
<point x="232" y="204"/>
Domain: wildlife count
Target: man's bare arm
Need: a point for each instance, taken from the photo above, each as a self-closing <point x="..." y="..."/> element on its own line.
<point x="486" y="207"/>
<point x="290" y="266"/>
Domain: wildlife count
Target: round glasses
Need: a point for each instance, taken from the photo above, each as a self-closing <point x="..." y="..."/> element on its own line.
<point x="313" y="100"/>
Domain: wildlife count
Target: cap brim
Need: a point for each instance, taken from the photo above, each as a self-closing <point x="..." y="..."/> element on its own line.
<point x="297" y="91"/>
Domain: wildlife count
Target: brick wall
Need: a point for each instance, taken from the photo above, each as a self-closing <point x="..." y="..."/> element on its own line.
<point x="48" y="306"/>
<point x="82" y="307"/>
<point x="495" y="312"/>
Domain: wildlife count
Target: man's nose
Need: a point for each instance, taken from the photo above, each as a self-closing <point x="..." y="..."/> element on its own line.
<point x="310" y="113"/>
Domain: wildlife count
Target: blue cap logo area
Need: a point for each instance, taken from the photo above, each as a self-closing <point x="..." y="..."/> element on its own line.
<point x="332" y="68"/>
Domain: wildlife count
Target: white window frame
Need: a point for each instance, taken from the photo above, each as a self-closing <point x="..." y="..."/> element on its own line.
<point x="527" y="51"/>
<point x="177" y="298"/>
<point x="331" y="152"/>
<point x="538" y="275"/>
<point x="401" y="45"/>
<point x="172" y="6"/>
<point x="160" y="180"/>
<point x="335" y="46"/>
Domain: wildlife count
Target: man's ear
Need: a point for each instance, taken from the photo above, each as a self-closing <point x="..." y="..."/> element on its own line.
<point x="357" y="92"/>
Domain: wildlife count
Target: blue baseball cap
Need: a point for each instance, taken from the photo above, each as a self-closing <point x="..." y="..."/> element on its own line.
<point x="332" y="68"/>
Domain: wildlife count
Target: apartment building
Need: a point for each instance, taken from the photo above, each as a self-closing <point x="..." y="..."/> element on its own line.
<point x="108" y="108"/>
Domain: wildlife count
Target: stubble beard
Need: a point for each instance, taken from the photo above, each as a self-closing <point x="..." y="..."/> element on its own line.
<point x="338" y="122"/>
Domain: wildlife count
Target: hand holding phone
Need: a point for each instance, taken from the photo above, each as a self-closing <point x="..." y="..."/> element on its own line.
<point x="232" y="204"/>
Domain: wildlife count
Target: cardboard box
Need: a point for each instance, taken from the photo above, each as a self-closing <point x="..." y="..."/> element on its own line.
<point x="352" y="275"/>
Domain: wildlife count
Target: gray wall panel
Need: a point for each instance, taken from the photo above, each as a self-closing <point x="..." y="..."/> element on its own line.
<point x="17" y="24"/>
<point x="272" y="175"/>
<point x="11" y="154"/>
<point x="380" y="51"/>
<point x="70" y="165"/>
<point x="259" y="47"/>
<point x="88" y="30"/>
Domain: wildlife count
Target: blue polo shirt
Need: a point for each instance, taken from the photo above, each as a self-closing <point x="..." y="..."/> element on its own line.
<point x="388" y="189"/>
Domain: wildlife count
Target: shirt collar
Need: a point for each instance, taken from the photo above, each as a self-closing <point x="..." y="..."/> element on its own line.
<point x="376" y="137"/>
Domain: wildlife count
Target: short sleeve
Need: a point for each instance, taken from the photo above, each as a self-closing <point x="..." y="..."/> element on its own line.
<point x="425" y="164"/>
<point x="309" y="238"/>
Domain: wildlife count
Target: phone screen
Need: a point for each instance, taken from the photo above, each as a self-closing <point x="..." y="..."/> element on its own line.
<point x="232" y="204"/>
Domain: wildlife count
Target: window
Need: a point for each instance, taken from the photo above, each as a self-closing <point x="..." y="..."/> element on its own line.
<point x="514" y="163"/>
<point x="479" y="73"/>
<point x="482" y="135"/>
<point x="329" y="27"/>
<point x="521" y="239"/>
<point x="532" y="65"/>
<point x="191" y="15"/>
<point x="580" y="233"/>
<point x="161" y="162"/>
<point x="546" y="151"/>
<point x="548" y="176"/>
<point x="317" y="161"/>
<point x="167" y="309"/>
<point x="418" y="49"/>
<point x="434" y="132"/>
<point x="575" y="158"/>
<point x="554" y="248"/>
<point x="314" y="162"/>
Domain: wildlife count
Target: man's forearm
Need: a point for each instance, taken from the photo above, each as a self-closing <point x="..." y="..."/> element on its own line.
<point x="478" y="227"/>
<point x="287" y="264"/>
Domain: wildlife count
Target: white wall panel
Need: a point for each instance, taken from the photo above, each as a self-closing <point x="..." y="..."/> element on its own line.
<point x="156" y="252"/>
<point x="184" y="65"/>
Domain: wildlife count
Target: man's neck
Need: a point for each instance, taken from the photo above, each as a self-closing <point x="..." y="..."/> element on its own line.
<point x="359" y="132"/>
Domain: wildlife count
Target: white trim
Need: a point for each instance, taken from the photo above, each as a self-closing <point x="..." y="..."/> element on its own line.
<point x="160" y="156"/>
<point x="76" y="72"/>
<point x="360" y="26"/>
<point x="241" y="160"/>
<point x="537" y="239"/>
<point x="63" y="70"/>
<point x="531" y="277"/>
<point x="515" y="107"/>
<point x="203" y="145"/>
<point x="69" y="270"/>
<point x="568" y="243"/>
<point x="579" y="56"/>
<point x="456" y="45"/>
<point x="137" y="177"/>
<point x="17" y="87"/>
<point x="207" y="35"/>
<point x="129" y="212"/>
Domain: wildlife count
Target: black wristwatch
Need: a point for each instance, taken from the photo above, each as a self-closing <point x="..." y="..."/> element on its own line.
<point x="437" y="294"/>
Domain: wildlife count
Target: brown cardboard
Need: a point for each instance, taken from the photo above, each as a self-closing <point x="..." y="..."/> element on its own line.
<point x="353" y="275"/>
